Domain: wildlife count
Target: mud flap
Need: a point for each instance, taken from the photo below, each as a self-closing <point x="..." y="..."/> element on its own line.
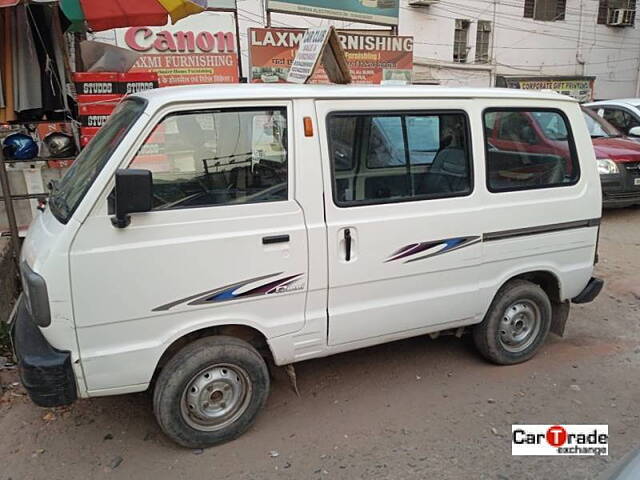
<point x="293" y="380"/>
<point x="559" y="316"/>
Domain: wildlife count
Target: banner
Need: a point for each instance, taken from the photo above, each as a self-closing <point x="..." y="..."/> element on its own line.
<point x="371" y="58"/>
<point x="381" y="12"/>
<point x="196" y="50"/>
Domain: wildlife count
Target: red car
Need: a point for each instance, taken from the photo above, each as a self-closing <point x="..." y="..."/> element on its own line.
<point x="542" y="133"/>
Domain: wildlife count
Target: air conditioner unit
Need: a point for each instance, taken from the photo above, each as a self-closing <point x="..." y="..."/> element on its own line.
<point x="422" y="3"/>
<point x="462" y="24"/>
<point x="621" y="17"/>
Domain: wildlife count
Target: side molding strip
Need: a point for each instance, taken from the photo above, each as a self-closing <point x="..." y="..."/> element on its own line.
<point x="555" y="227"/>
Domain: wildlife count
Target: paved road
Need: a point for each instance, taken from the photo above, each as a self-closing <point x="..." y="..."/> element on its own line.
<point x="409" y="410"/>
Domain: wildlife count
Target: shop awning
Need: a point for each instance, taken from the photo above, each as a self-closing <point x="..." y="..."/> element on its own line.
<point x="98" y="15"/>
<point x="13" y="3"/>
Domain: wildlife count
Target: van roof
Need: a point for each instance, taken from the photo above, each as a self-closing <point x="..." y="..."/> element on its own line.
<point x="194" y="93"/>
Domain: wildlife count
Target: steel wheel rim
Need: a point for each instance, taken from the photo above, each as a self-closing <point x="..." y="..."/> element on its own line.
<point x="519" y="326"/>
<point x="216" y="397"/>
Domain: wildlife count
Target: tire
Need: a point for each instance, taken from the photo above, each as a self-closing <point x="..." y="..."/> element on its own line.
<point x="516" y="325"/>
<point x="210" y="392"/>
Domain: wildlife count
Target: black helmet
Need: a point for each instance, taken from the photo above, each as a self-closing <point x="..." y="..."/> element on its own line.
<point x="60" y="145"/>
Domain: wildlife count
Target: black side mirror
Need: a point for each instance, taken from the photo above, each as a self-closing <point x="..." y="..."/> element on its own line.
<point x="134" y="193"/>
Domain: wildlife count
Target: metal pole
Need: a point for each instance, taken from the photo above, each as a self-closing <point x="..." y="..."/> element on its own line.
<point x="493" y="73"/>
<point x="8" y="205"/>
<point x="237" y="20"/>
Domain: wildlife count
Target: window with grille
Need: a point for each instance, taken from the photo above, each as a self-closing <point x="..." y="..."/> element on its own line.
<point x="460" y="41"/>
<point x="545" y="10"/>
<point x="607" y="11"/>
<point x="483" y="36"/>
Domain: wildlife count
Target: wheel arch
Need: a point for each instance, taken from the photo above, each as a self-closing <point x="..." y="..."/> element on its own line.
<point x="550" y="282"/>
<point x="251" y="335"/>
<point x="545" y="279"/>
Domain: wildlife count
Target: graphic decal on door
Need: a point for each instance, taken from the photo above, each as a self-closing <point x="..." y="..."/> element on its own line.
<point x="234" y="291"/>
<point x="436" y="247"/>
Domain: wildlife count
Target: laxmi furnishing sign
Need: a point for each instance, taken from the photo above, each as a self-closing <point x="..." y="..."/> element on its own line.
<point x="371" y="58"/>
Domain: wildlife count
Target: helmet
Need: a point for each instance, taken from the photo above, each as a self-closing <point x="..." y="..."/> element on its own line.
<point x="60" y="145"/>
<point x="19" y="146"/>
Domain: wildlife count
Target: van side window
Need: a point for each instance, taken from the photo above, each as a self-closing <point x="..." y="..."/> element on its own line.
<point x="527" y="149"/>
<point x="398" y="157"/>
<point x="221" y="157"/>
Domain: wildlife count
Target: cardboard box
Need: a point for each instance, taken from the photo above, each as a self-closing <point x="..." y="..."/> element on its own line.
<point x="136" y="82"/>
<point x="88" y="83"/>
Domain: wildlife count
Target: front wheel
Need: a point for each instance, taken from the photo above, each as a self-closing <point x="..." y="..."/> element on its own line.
<point x="516" y="325"/>
<point x="211" y="391"/>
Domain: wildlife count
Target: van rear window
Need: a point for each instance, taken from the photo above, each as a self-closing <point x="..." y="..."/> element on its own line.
<point x="528" y="149"/>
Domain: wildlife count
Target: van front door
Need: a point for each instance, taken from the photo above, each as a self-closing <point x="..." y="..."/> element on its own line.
<point x="224" y="244"/>
<point x="402" y="218"/>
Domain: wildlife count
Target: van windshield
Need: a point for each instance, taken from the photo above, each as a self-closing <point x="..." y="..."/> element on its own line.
<point x="69" y="192"/>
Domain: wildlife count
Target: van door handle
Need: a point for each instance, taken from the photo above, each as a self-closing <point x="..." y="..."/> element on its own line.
<point x="347" y="244"/>
<point x="275" y="239"/>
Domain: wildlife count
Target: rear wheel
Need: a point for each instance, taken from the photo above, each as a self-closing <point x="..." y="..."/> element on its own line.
<point x="211" y="391"/>
<point x="516" y="325"/>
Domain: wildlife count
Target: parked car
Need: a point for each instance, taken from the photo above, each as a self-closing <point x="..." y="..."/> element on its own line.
<point x="624" y="114"/>
<point x="627" y="468"/>
<point x="618" y="162"/>
<point x="284" y="223"/>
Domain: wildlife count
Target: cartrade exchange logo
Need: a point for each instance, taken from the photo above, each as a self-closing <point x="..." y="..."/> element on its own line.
<point x="560" y="440"/>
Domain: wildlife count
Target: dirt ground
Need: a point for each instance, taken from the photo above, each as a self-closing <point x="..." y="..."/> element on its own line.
<point x="414" y="409"/>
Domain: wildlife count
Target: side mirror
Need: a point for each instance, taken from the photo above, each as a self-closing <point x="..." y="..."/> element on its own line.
<point x="134" y="193"/>
<point x="634" y="132"/>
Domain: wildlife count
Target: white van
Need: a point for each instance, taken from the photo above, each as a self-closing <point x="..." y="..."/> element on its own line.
<point x="207" y="230"/>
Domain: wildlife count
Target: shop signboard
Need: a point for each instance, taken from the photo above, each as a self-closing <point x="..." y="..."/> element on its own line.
<point x="580" y="88"/>
<point x="195" y="50"/>
<point x="371" y="58"/>
<point x="308" y="55"/>
<point x="381" y="12"/>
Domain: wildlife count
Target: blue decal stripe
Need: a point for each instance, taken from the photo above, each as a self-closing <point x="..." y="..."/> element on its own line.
<point x="447" y="245"/>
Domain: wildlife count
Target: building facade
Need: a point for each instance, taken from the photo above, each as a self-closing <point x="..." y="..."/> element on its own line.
<point x="590" y="44"/>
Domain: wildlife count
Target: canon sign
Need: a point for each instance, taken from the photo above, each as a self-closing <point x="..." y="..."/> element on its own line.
<point x="143" y="39"/>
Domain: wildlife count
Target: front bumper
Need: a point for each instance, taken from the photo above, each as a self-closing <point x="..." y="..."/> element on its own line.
<point x="46" y="372"/>
<point x="619" y="189"/>
<point x="590" y="292"/>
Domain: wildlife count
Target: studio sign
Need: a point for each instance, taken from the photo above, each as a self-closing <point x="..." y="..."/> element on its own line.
<point x="143" y="39"/>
